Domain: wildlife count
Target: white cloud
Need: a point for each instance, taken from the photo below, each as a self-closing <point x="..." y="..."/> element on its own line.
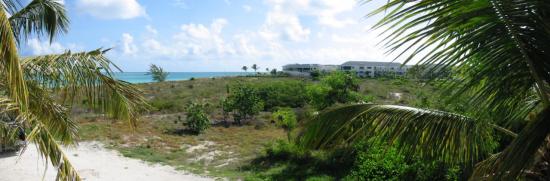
<point x="247" y="8"/>
<point x="326" y="11"/>
<point x="283" y="25"/>
<point x="43" y="47"/>
<point x="112" y="9"/>
<point x="201" y="40"/>
<point x="128" y="46"/>
<point x="151" y="30"/>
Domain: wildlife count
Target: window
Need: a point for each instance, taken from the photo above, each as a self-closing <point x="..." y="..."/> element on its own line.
<point x="369" y="67"/>
<point x="361" y="68"/>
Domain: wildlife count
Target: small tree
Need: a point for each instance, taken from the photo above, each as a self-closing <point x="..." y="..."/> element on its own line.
<point x="266" y="69"/>
<point x="286" y="118"/>
<point x="244" y="101"/>
<point x="255" y="67"/>
<point x="315" y="74"/>
<point x="274" y="72"/>
<point x="337" y="87"/>
<point x="158" y="73"/>
<point x="245" y="68"/>
<point x="197" y="120"/>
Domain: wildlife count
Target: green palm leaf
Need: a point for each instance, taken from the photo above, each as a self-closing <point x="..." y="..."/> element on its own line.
<point x="86" y="76"/>
<point x="431" y="134"/>
<point x="40" y="17"/>
<point x="502" y="50"/>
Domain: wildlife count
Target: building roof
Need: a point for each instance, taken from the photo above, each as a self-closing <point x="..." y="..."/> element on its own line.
<point x="368" y="63"/>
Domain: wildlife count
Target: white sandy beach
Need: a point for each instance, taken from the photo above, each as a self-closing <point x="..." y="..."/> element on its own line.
<point x="93" y="162"/>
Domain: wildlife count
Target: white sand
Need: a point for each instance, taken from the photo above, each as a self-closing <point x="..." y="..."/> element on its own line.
<point x="93" y="162"/>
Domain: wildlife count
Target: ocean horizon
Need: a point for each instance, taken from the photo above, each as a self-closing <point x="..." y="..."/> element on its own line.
<point x="143" y="77"/>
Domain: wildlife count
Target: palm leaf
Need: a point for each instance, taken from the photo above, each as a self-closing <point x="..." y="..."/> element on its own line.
<point x="40" y="17"/>
<point x="52" y="115"/>
<point x="501" y="47"/>
<point x="431" y="134"/>
<point x="10" y="68"/>
<point x="86" y="76"/>
<point x="49" y="149"/>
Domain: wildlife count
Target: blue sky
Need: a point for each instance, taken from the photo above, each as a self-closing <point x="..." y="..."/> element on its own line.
<point x="218" y="35"/>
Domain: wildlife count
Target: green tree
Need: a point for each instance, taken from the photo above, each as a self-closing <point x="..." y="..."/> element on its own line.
<point x="255" y="67"/>
<point x="273" y="72"/>
<point x="337" y="87"/>
<point x="157" y="73"/>
<point x="36" y="93"/>
<point x="245" y="68"/>
<point x="244" y="102"/>
<point x="197" y="120"/>
<point x="286" y="118"/>
<point x="501" y="49"/>
<point x="315" y="74"/>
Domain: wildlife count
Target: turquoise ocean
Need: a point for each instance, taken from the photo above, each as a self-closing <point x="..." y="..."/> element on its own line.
<point x="142" y="77"/>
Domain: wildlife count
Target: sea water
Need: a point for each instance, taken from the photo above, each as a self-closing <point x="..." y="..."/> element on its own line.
<point x="143" y="77"/>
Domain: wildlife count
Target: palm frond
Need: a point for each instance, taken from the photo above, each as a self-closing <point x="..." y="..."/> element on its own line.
<point x="431" y="134"/>
<point x="52" y="115"/>
<point x="40" y="135"/>
<point x="87" y="76"/>
<point x="10" y="69"/>
<point x="40" y="17"/>
<point x="49" y="149"/>
<point x="501" y="47"/>
<point x="10" y="6"/>
<point x="512" y="161"/>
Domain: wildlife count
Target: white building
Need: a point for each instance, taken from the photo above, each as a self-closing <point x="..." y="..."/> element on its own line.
<point x="362" y="68"/>
<point x="374" y="69"/>
<point x="306" y="69"/>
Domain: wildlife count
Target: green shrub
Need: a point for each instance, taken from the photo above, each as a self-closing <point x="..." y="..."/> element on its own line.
<point x="282" y="150"/>
<point x="337" y="87"/>
<point x="379" y="162"/>
<point x="244" y="102"/>
<point x="315" y="74"/>
<point x="197" y="120"/>
<point x="288" y="93"/>
<point x="161" y="104"/>
<point x="286" y="118"/>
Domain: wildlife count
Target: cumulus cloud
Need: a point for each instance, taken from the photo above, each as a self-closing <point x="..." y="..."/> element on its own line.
<point x="326" y="11"/>
<point x="128" y="46"/>
<point x="198" y="39"/>
<point x="283" y="25"/>
<point x="43" y="47"/>
<point x="111" y="9"/>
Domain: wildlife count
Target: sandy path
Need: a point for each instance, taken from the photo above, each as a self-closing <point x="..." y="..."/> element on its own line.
<point x="93" y="162"/>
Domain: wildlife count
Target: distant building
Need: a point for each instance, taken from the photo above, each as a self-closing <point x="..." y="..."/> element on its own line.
<point x="374" y="69"/>
<point x="306" y="69"/>
<point x="362" y="68"/>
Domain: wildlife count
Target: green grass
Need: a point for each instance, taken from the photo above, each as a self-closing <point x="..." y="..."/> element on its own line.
<point x="159" y="137"/>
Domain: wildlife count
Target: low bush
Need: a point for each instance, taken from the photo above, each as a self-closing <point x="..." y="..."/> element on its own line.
<point x="197" y="120"/>
<point x="286" y="118"/>
<point x="243" y="101"/>
<point x="380" y="162"/>
<point x="289" y="93"/>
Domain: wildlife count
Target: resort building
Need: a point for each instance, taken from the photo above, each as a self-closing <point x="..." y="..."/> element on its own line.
<point x="305" y="69"/>
<point x="361" y="68"/>
<point x="374" y="69"/>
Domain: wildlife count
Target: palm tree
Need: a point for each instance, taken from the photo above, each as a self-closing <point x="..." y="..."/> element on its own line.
<point x="37" y="92"/>
<point x="255" y="67"/>
<point x="245" y="68"/>
<point x="501" y="49"/>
